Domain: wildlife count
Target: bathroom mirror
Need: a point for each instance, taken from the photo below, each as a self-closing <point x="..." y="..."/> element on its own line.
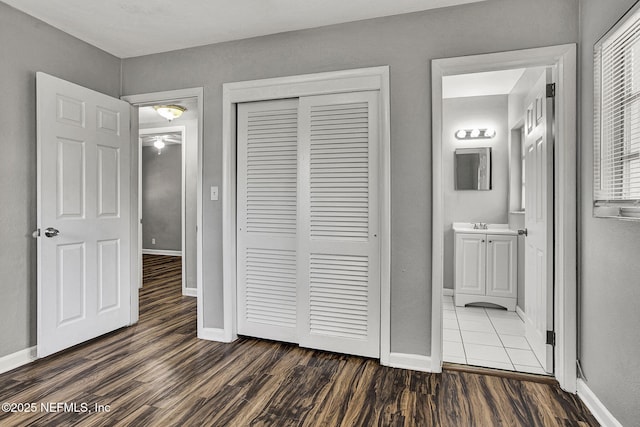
<point x="473" y="168"/>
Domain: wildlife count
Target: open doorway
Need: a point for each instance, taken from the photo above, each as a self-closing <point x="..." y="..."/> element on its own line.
<point x="488" y="250"/>
<point x="494" y="143"/>
<point x="157" y="136"/>
<point x="168" y="189"/>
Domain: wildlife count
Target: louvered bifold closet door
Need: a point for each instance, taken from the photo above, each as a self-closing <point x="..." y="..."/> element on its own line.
<point x="266" y="219"/>
<point x="338" y="251"/>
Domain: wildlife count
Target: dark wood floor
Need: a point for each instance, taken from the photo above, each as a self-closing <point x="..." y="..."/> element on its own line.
<point x="157" y="373"/>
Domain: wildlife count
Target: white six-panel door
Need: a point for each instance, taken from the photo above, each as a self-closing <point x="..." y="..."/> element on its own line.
<point x="308" y="252"/>
<point x="83" y="214"/>
<point x="539" y="221"/>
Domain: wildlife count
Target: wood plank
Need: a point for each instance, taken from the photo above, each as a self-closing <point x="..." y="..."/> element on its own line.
<point x="157" y="373"/>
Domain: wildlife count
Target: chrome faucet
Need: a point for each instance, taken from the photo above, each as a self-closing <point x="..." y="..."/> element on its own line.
<point x="480" y="226"/>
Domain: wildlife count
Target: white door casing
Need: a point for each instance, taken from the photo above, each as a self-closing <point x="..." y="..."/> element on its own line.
<point x="338" y="245"/>
<point x="267" y="213"/>
<point x="539" y="220"/>
<point x="564" y="60"/>
<point x="83" y="193"/>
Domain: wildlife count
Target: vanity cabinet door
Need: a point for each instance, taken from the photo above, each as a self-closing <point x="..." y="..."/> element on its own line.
<point x="501" y="266"/>
<point x="470" y="265"/>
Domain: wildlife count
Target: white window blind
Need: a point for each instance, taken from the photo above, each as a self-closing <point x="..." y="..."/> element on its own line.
<point x="617" y="120"/>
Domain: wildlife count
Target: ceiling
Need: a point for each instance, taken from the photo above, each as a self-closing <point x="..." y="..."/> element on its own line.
<point x="127" y="28"/>
<point x="481" y="84"/>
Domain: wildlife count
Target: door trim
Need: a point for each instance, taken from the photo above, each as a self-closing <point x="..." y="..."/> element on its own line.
<point x="139" y="100"/>
<point x="563" y="57"/>
<point x="183" y="197"/>
<point x="375" y="78"/>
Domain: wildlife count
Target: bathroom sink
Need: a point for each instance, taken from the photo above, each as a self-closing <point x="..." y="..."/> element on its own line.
<point x="468" y="227"/>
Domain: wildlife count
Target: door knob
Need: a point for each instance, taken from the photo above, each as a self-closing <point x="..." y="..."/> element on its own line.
<point x="523" y="232"/>
<point x="51" y="232"/>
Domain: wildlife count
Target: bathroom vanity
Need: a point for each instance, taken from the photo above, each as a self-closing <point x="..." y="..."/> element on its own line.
<point x="486" y="263"/>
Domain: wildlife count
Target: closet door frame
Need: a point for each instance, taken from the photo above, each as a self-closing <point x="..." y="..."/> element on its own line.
<point x="356" y="80"/>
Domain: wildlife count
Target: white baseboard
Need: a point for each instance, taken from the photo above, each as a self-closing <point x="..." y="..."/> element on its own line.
<point x="17" y="359"/>
<point x="190" y="292"/>
<point x="521" y="314"/>
<point x="414" y="362"/>
<point x="446" y="292"/>
<point x="602" y="414"/>
<point x="213" y="334"/>
<point x="161" y="252"/>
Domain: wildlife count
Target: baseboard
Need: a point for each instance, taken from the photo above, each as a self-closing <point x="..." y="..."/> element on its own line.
<point x="446" y="292"/>
<point x="414" y="362"/>
<point x="599" y="411"/>
<point x="17" y="359"/>
<point x="161" y="252"/>
<point x="521" y="314"/>
<point x="213" y="334"/>
<point x="190" y="292"/>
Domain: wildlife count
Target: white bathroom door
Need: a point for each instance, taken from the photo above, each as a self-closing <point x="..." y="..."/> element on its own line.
<point x="338" y="245"/>
<point x="267" y="219"/>
<point x="539" y="221"/>
<point x="83" y="190"/>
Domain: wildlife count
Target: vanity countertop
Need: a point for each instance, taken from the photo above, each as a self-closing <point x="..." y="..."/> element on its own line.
<point x="467" y="227"/>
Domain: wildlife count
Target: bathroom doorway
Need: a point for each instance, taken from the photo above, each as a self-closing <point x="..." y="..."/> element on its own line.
<point x="484" y="266"/>
<point x="484" y="319"/>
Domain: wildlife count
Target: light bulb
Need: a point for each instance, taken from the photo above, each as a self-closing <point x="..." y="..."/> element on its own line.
<point x="461" y="134"/>
<point x="475" y="133"/>
<point x="489" y="133"/>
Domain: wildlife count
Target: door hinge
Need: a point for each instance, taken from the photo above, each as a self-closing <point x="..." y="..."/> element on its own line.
<point x="551" y="90"/>
<point x="551" y="338"/>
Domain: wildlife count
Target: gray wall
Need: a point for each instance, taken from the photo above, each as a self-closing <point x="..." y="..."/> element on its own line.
<point x="609" y="254"/>
<point x="473" y="206"/>
<point x="405" y="42"/>
<point x="26" y="46"/>
<point x="162" y="198"/>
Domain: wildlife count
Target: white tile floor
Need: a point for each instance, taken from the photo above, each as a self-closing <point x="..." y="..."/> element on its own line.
<point x="487" y="337"/>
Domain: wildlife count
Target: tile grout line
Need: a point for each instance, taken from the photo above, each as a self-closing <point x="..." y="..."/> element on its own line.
<point x="501" y="342"/>
<point x="464" y="349"/>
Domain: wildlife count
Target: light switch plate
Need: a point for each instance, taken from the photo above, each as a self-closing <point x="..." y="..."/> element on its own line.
<point x="214" y="192"/>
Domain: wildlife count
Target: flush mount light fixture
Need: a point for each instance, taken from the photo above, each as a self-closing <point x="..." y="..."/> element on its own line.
<point x="465" y="134"/>
<point x="170" y="112"/>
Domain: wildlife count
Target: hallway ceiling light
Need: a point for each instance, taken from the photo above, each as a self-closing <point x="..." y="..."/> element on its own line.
<point x="467" y="134"/>
<point x="159" y="144"/>
<point x="170" y="112"/>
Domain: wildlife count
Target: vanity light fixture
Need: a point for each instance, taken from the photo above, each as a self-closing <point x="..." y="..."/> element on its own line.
<point x="169" y="112"/>
<point x="466" y="134"/>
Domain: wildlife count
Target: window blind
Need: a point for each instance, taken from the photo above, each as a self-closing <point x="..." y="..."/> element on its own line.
<point x="617" y="120"/>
